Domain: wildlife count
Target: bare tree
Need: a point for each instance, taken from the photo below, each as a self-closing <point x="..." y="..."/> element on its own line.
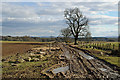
<point x="88" y="36"/>
<point x="66" y="33"/>
<point x="77" y="22"/>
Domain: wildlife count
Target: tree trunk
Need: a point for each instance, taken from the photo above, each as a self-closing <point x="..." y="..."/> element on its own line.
<point x="75" y="41"/>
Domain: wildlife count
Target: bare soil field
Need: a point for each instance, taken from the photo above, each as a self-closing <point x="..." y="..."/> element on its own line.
<point x="13" y="48"/>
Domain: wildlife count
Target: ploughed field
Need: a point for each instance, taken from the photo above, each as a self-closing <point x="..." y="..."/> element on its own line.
<point x="11" y="48"/>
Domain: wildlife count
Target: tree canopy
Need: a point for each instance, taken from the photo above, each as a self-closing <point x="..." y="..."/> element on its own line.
<point x="77" y="22"/>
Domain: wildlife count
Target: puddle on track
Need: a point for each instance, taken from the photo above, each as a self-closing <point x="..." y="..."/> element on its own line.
<point x="103" y="69"/>
<point x="61" y="69"/>
<point x="86" y="56"/>
<point x="67" y="54"/>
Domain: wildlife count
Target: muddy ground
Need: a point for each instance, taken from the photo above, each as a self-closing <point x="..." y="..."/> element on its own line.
<point x="55" y="60"/>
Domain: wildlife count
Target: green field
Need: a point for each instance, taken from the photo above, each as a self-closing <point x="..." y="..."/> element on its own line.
<point x="110" y="50"/>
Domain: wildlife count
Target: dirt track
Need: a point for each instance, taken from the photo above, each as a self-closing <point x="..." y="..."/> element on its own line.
<point x="87" y="66"/>
<point x="82" y="65"/>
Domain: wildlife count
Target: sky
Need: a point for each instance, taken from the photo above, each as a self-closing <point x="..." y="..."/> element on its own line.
<point x="47" y="18"/>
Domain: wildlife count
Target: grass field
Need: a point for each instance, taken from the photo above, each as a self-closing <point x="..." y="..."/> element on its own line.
<point x="109" y="58"/>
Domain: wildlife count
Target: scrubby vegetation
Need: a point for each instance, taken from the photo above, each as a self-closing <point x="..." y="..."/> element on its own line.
<point x="29" y="64"/>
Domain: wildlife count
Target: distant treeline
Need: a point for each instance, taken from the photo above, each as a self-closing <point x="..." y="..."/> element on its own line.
<point x="108" y="39"/>
<point x="52" y="38"/>
<point x="28" y="38"/>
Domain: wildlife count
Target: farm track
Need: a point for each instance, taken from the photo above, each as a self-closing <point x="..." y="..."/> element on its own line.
<point x="85" y="66"/>
<point x="71" y="63"/>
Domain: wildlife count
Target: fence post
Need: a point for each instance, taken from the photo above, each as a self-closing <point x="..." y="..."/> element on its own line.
<point x="113" y="46"/>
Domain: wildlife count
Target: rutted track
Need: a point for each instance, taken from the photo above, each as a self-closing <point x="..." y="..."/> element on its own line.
<point x="82" y="65"/>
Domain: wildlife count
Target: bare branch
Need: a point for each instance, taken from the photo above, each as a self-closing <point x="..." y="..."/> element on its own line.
<point x="76" y="22"/>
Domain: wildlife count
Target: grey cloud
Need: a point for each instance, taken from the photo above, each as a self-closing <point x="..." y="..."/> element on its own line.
<point x="10" y="10"/>
<point x="103" y="21"/>
<point x="50" y="17"/>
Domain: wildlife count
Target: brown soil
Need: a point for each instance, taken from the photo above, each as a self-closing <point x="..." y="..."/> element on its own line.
<point x="13" y="48"/>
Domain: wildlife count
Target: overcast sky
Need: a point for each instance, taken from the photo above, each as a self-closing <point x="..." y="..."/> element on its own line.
<point x="47" y="18"/>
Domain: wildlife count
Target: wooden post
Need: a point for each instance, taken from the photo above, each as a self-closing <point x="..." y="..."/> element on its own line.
<point x="103" y="46"/>
<point x="113" y="46"/>
<point x="49" y="48"/>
